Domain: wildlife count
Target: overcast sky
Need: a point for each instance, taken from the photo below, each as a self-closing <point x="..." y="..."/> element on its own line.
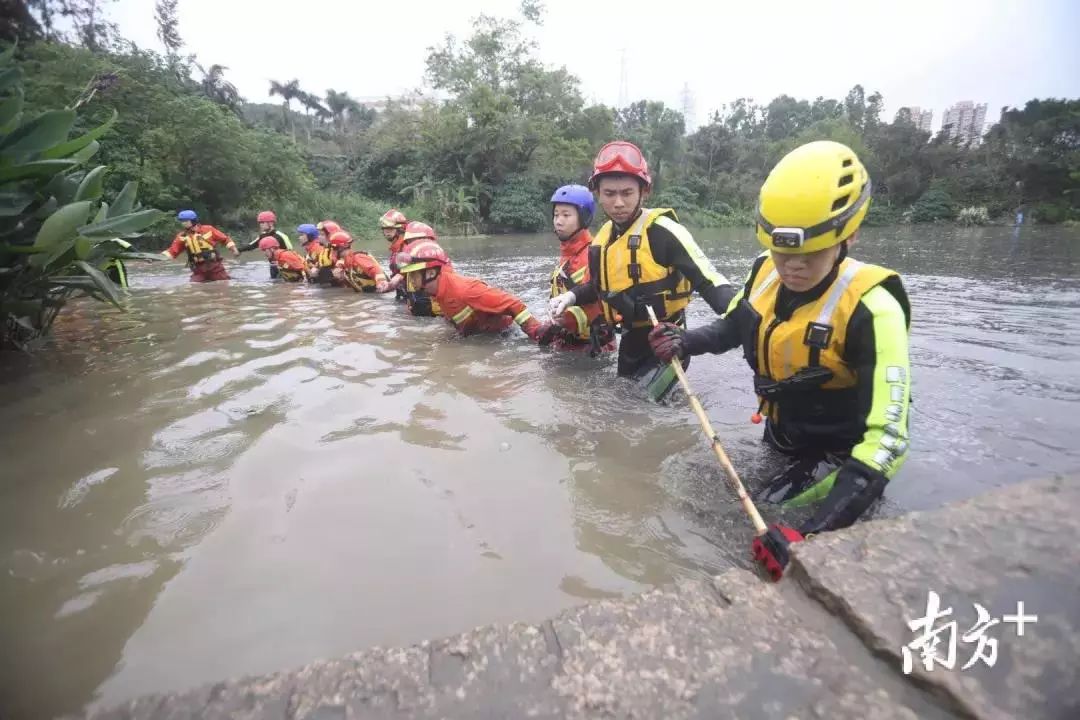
<point x="929" y="53"/>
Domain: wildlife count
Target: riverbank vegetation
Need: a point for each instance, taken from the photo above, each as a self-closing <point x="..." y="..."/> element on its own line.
<point x="57" y="232"/>
<point x="504" y="131"/>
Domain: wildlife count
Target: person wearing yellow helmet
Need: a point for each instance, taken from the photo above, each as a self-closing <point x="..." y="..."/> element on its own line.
<point x="827" y="338"/>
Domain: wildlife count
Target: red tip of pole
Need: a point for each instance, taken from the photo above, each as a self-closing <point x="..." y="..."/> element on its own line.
<point x="756" y="418"/>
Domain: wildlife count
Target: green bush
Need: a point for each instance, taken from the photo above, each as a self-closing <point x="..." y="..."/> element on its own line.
<point x="1052" y="212"/>
<point x="935" y="204"/>
<point x="520" y="204"/>
<point x="56" y="232"/>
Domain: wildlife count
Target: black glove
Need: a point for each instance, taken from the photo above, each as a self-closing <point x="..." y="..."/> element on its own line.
<point x="600" y="335"/>
<point x="855" y="489"/>
<point x="667" y="341"/>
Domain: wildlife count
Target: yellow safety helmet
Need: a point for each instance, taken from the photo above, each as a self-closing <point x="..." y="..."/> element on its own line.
<point x="817" y="196"/>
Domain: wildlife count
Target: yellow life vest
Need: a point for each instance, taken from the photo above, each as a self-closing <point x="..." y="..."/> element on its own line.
<point x="323" y="259"/>
<point x="558" y="279"/>
<point x="816" y="333"/>
<point x="199" y="247"/>
<point x="630" y="277"/>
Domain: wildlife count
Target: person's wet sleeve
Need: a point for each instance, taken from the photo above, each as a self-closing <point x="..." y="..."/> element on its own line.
<point x="722" y="334"/>
<point x="727" y="332"/>
<point x="484" y="298"/>
<point x="176" y="247"/>
<point x="878" y="350"/>
<point x="673" y="245"/>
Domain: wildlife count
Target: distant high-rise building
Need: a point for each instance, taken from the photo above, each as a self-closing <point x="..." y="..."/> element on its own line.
<point x="964" y="122"/>
<point x="922" y="119"/>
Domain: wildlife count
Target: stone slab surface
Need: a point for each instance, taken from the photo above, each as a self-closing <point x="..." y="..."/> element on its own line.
<point x="1016" y="544"/>
<point x="825" y="643"/>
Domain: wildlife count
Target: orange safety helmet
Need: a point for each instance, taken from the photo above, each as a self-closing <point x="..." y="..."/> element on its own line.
<point x="423" y="256"/>
<point x="417" y="230"/>
<point x="393" y="218"/>
<point x="620" y="157"/>
<point x="269" y="243"/>
<point x="329" y="227"/>
<point x="340" y="239"/>
<point x="267" y="216"/>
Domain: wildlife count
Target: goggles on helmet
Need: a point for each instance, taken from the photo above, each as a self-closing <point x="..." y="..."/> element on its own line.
<point x="619" y="157"/>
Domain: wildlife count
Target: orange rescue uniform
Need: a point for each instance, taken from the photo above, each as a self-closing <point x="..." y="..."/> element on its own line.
<point x="572" y="271"/>
<point x="361" y="271"/>
<point x="472" y="306"/>
<point x="200" y="243"/>
<point x="290" y="265"/>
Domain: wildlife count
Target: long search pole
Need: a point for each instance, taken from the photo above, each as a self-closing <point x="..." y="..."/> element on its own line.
<point x="714" y="440"/>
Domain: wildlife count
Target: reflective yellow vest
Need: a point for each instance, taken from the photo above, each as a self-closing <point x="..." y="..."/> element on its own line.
<point x="325" y="258"/>
<point x="631" y="277"/>
<point x="815" y="334"/>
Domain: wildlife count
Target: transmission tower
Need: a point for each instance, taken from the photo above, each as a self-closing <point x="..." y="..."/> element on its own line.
<point x="688" y="108"/>
<point x="624" y="85"/>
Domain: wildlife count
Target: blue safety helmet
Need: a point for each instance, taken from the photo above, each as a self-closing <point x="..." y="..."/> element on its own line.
<point x="308" y="229"/>
<point x="580" y="197"/>
<point x="187" y="215"/>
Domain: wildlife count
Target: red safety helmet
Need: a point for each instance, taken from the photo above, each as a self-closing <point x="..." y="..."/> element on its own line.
<point x="269" y="242"/>
<point x="393" y="218"/>
<point x="267" y="216"/>
<point x="340" y="239"/>
<point x="329" y="227"/>
<point x="620" y="157"/>
<point x="423" y="256"/>
<point x="417" y="230"/>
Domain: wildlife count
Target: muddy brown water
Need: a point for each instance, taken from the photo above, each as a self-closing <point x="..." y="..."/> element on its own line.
<point x="241" y="477"/>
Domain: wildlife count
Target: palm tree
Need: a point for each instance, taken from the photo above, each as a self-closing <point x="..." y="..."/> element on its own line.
<point x="218" y="89"/>
<point x="311" y="104"/>
<point x="339" y="104"/>
<point x="288" y="91"/>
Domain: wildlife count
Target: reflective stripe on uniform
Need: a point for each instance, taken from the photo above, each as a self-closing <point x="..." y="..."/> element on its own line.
<point x="462" y="316"/>
<point x="581" y="318"/>
<point x="522" y="316"/>
<point x="838" y="289"/>
<point x="693" y="250"/>
<point x="765" y="285"/>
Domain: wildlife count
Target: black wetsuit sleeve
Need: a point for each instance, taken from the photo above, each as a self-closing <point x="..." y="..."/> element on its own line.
<point x="729" y="331"/>
<point x="684" y="254"/>
<point x="721" y="335"/>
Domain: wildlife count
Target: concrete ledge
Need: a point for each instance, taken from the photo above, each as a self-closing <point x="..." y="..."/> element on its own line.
<point x="825" y="643"/>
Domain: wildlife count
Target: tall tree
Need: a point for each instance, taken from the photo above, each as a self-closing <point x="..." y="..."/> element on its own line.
<point x="92" y="27"/>
<point x="342" y="107"/>
<point x="288" y="92"/>
<point x="168" y="31"/>
<point x="217" y="88"/>
<point x="855" y="106"/>
<point x="17" y="22"/>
